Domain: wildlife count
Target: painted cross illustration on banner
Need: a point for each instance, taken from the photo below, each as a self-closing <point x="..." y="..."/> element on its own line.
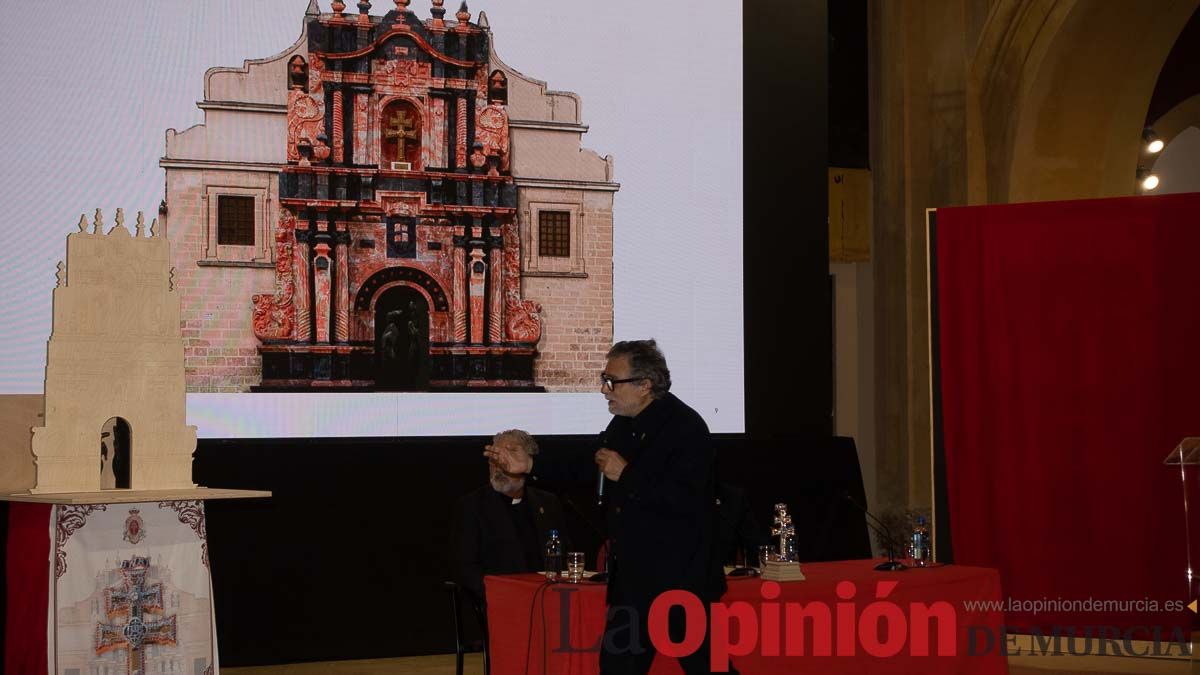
<point x="133" y="598"/>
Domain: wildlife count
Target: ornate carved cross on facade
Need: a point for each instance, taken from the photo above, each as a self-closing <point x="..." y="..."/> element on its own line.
<point x="402" y="128"/>
<point x="134" y="598"/>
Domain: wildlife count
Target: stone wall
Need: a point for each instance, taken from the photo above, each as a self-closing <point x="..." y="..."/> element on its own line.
<point x="577" y="306"/>
<point x="220" y="350"/>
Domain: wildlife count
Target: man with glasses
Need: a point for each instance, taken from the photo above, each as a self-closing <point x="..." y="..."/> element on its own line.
<point x="658" y="460"/>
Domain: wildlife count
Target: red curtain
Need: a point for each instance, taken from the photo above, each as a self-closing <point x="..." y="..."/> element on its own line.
<point x="1069" y="366"/>
<point x="27" y="582"/>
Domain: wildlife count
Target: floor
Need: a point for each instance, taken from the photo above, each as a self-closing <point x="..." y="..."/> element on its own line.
<point x="413" y="665"/>
<point x="1087" y="665"/>
<point x="444" y="665"/>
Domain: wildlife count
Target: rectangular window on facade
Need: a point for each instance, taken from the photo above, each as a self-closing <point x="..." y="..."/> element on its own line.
<point x="235" y="220"/>
<point x="554" y="234"/>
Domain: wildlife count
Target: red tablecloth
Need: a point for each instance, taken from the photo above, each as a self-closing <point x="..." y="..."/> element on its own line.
<point x="521" y="607"/>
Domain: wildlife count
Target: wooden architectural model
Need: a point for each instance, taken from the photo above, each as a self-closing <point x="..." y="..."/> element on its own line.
<point x="114" y="366"/>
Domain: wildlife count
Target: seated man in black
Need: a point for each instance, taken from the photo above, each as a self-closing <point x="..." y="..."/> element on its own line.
<point x="503" y="526"/>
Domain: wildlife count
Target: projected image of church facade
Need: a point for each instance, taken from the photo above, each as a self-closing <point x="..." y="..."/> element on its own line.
<point x="386" y="205"/>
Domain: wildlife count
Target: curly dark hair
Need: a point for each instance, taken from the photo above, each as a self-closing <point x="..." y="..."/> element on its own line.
<point x="646" y="360"/>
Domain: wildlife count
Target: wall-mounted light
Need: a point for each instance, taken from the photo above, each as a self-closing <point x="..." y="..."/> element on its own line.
<point x="1146" y="181"/>
<point x="1151" y="143"/>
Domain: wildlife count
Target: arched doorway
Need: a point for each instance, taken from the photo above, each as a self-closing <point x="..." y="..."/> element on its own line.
<point x="402" y="340"/>
<point x="115" y="465"/>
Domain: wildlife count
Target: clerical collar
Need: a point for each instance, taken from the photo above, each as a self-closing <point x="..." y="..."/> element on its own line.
<point x="505" y="499"/>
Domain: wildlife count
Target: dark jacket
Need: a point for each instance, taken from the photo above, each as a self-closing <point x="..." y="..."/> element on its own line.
<point x="487" y="541"/>
<point x="660" y="513"/>
<point x="736" y="527"/>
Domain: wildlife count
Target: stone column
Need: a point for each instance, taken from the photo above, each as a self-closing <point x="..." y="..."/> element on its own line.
<point x="496" y="294"/>
<point x="360" y="127"/>
<point x="460" y="296"/>
<point x="512" y="264"/>
<point x="300" y="270"/>
<point x="437" y="133"/>
<point x="339" y="137"/>
<point x="478" y="279"/>
<point x="460" y="143"/>
<point x="342" y="285"/>
<point x="322" y="286"/>
<point x="918" y="160"/>
<point x="373" y="131"/>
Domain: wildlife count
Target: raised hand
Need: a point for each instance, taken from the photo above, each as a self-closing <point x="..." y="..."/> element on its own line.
<point x="510" y="459"/>
<point x="611" y="463"/>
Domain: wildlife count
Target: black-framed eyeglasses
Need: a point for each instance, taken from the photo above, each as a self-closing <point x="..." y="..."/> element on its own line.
<point x="608" y="382"/>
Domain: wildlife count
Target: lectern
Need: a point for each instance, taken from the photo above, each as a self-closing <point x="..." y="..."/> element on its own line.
<point x="1185" y="458"/>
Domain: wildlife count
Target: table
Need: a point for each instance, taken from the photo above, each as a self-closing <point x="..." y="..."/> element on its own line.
<point x="854" y="620"/>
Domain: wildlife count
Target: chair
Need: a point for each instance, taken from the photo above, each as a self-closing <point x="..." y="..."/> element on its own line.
<point x="457" y="598"/>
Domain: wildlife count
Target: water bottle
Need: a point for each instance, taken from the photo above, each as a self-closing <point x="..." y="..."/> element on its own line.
<point x="918" y="546"/>
<point x="552" y="556"/>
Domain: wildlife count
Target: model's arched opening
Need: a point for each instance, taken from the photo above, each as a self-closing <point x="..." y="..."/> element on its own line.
<point x="115" y="465"/>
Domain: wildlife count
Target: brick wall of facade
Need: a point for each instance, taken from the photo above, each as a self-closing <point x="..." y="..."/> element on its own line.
<point x="577" y="311"/>
<point x="220" y="350"/>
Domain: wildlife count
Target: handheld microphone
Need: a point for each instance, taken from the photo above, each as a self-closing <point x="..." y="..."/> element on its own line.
<point x="892" y="565"/>
<point x="602" y="439"/>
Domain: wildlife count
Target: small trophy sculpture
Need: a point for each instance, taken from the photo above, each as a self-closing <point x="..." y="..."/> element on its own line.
<point x="784" y="566"/>
<point x="786" y="532"/>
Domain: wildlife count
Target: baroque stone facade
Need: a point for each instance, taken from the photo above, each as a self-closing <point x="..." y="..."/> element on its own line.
<point x="372" y="209"/>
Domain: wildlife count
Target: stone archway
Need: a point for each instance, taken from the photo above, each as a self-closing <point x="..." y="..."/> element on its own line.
<point x="366" y="293"/>
<point x="1060" y="96"/>
<point x="1177" y="120"/>
<point x="422" y="317"/>
<point x="986" y="103"/>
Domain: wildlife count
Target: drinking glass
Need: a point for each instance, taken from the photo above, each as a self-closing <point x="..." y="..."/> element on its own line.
<point x="574" y="566"/>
